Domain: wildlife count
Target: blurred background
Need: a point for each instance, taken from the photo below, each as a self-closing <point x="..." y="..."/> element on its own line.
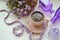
<point x="6" y="30"/>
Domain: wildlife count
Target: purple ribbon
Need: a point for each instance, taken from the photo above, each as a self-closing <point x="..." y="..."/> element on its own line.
<point x="56" y="16"/>
<point x="46" y="8"/>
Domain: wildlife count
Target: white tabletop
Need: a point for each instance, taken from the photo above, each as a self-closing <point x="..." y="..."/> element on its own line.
<point x="6" y="30"/>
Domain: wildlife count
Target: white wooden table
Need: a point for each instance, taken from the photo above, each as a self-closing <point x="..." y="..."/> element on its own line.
<point x="6" y="31"/>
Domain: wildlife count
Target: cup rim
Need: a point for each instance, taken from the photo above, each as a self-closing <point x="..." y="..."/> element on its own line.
<point x="39" y="13"/>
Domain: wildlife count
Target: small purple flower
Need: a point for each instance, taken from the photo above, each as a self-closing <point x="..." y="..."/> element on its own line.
<point x="18" y="31"/>
<point x="54" y="33"/>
